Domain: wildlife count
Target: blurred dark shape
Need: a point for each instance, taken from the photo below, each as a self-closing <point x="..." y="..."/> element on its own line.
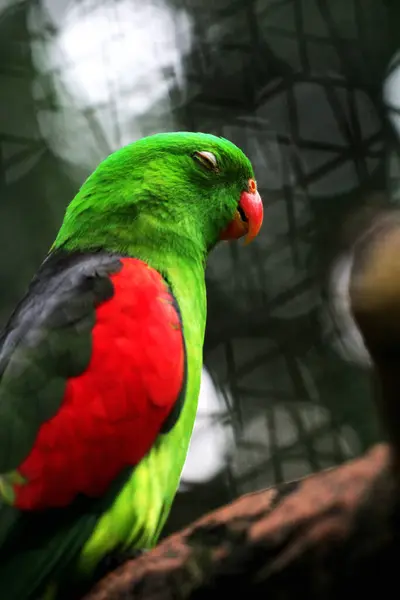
<point x="298" y="85"/>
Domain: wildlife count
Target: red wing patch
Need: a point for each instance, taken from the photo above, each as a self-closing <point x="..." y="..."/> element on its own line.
<point x="112" y="413"/>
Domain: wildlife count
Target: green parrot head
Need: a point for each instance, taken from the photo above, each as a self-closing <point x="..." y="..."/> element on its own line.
<point x="182" y="191"/>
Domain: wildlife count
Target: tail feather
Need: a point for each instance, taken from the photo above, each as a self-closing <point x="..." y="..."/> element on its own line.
<point x="32" y="552"/>
<point x="38" y="548"/>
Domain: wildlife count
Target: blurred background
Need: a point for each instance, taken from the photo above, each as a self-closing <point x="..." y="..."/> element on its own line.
<point x="310" y="89"/>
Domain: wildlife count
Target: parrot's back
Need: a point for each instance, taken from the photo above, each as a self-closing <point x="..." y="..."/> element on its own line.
<point x="100" y="372"/>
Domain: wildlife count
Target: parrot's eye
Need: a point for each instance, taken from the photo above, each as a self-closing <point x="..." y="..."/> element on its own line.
<point x="207" y="159"/>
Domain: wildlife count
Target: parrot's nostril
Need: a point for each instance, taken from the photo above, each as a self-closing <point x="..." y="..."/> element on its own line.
<point x="252" y="186"/>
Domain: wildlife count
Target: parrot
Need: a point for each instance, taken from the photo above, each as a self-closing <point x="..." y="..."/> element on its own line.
<point x="101" y="360"/>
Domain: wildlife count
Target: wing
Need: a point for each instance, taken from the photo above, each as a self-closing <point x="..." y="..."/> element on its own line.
<point x="92" y="364"/>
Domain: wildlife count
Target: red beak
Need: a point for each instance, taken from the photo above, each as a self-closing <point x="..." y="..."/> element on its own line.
<point x="248" y="217"/>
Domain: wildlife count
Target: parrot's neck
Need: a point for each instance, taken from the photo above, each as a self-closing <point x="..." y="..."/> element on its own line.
<point x="174" y="250"/>
<point x="163" y="245"/>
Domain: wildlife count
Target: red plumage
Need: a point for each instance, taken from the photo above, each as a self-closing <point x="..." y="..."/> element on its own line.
<point x="112" y="413"/>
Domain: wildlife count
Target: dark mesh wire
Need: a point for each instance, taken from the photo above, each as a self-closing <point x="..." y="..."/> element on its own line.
<point x="297" y="84"/>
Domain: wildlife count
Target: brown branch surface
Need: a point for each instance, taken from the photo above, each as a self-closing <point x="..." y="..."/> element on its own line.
<point x="328" y="534"/>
